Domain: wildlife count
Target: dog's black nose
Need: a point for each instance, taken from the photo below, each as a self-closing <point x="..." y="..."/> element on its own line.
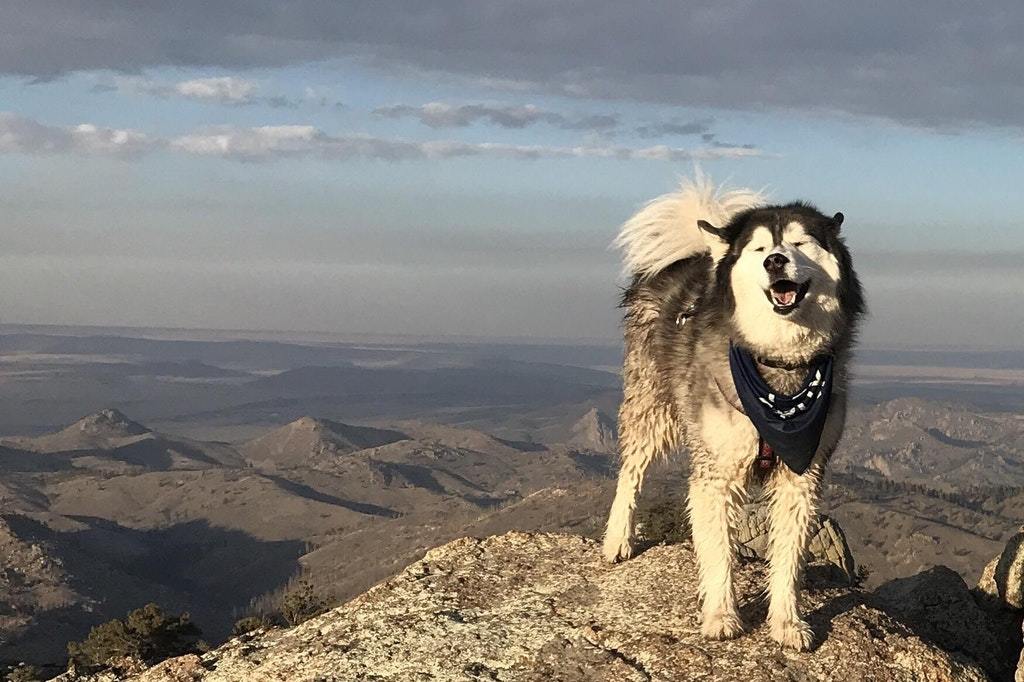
<point x="776" y="261"/>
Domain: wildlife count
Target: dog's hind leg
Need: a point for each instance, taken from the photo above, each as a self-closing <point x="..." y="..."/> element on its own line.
<point x="715" y="501"/>
<point x="646" y="431"/>
<point x="648" y="427"/>
<point x="793" y="502"/>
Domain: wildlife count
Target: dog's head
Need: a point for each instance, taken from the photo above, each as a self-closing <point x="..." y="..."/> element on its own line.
<point x="786" y="278"/>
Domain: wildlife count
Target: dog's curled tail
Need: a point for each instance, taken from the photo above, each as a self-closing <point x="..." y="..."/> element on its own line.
<point x="665" y="230"/>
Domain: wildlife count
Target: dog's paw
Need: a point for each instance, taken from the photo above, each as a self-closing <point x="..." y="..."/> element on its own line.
<point x="722" y="625"/>
<point x="792" y="634"/>
<point x="617" y="548"/>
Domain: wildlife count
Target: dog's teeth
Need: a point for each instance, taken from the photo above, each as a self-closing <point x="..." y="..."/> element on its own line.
<point x="784" y="298"/>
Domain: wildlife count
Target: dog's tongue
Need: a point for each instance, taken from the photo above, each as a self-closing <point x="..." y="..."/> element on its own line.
<point x="784" y="298"/>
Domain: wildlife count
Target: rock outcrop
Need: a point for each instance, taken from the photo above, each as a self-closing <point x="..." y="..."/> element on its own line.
<point x="828" y="542"/>
<point x="942" y="610"/>
<point x="1002" y="586"/>
<point x="595" y="431"/>
<point x="1003" y="577"/>
<point x="537" y="606"/>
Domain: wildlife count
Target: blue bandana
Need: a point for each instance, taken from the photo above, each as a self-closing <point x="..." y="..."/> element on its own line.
<point x="791" y="425"/>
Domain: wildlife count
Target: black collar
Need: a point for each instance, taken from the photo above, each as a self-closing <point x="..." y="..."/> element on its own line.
<point x="790" y="366"/>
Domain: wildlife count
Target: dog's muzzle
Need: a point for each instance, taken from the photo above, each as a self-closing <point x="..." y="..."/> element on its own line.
<point x="786" y="295"/>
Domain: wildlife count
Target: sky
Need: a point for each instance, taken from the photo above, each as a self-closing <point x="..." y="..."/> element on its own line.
<point x="461" y="166"/>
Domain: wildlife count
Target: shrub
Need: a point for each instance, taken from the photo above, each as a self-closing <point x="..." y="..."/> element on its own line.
<point x="146" y="636"/>
<point x="302" y="603"/>
<point x="663" y="520"/>
<point x="250" y="623"/>
<point x="863" y="573"/>
<point x="24" y="673"/>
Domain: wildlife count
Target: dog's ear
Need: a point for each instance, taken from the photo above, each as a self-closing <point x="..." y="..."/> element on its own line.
<point x="837" y="220"/>
<point x="711" y="230"/>
<point x="715" y="239"/>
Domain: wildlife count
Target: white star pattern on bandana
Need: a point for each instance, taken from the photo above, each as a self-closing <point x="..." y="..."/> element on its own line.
<point x="802" y="405"/>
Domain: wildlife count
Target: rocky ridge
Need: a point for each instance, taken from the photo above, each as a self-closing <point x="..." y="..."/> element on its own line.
<point x="542" y="606"/>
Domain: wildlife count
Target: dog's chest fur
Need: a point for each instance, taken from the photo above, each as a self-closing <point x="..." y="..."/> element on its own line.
<point x="786" y="382"/>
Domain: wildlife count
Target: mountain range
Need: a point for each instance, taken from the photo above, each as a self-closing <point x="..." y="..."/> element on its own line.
<point x="107" y="514"/>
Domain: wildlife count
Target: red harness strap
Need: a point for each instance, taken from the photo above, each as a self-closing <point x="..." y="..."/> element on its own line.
<point x="766" y="458"/>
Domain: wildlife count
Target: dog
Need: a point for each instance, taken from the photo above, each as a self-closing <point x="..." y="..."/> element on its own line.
<point x="730" y="292"/>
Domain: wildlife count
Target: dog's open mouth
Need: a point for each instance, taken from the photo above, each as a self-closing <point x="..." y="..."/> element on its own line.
<point x="786" y="295"/>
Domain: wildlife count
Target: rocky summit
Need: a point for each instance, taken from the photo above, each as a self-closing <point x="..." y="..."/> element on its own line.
<point x="541" y="606"/>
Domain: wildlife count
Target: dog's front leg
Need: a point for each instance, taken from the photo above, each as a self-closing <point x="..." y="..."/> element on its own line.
<point x="793" y="502"/>
<point x="714" y="502"/>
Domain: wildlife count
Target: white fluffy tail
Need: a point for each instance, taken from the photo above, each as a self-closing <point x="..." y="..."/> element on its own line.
<point x="665" y="230"/>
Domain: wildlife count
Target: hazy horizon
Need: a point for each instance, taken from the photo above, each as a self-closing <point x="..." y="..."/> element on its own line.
<point x="391" y="170"/>
<point x="327" y="336"/>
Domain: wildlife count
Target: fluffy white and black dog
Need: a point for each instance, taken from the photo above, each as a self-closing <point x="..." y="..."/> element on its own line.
<point x="738" y="329"/>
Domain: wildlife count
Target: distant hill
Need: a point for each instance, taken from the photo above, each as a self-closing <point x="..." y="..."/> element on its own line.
<point x="111" y="441"/>
<point x="104" y="429"/>
<point x="307" y="441"/>
<point x="595" y="431"/>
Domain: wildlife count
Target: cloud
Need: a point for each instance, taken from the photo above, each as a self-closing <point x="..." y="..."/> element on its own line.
<point x="224" y="89"/>
<point x="938" y="64"/>
<point x="22" y="135"/>
<point x="280" y="102"/>
<point x="444" y="115"/>
<point x="670" y="128"/>
<point x="267" y="143"/>
<point x="228" y="90"/>
<point x="26" y="136"/>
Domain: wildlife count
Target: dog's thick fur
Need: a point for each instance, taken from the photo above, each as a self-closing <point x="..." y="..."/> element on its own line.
<point x="695" y="288"/>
